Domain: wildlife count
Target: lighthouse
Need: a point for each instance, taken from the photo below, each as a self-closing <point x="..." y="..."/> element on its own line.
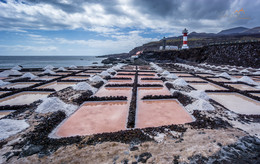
<point x="185" y="39"/>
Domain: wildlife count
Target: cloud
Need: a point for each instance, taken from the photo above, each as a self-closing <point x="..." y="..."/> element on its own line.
<point x="24" y="48"/>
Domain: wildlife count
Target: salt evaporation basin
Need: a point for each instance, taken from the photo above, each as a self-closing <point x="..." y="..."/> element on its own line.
<point x="120" y="81"/>
<point x="192" y="79"/>
<point x="204" y="75"/>
<point x="3" y="92"/>
<point x="183" y="74"/>
<point x="152" y="73"/>
<point x="206" y="86"/>
<point x="19" y="85"/>
<point x="57" y="85"/>
<point x="95" y="117"/>
<point x="114" y="91"/>
<point x="243" y="87"/>
<point x="219" y="79"/>
<point x="46" y="78"/>
<point x="255" y="94"/>
<point x="149" y="81"/>
<point x="237" y="103"/>
<point x="5" y="112"/>
<point x="23" y="98"/>
<point x="144" y="91"/>
<point x="76" y="78"/>
<point x="86" y="74"/>
<point x="153" y="113"/>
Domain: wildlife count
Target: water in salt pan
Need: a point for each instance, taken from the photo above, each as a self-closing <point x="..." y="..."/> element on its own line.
<point x="95" y="117"/>
<point x="152" y="91"/>
<point x="5" y="112"/>
<point x="242" y="87"/>
<point x="3" y="92"/>
<point x="149" y="81"/>
<point x="153" y="113"/>
<point x="206" y="86"/>
<point x="76" y="78"/>
<point x="182" y="74"/>
<point x="237" y="103"/>
<point x="23" y="98"/>
<point x="120" y="81"/>
<point x="192" y="79"/>
<point x="219" y="79"/>
<point x="204" y="75"/>
<point x="85" y="73"/>
<point x="57" y="85"/>
<point x="19" y="85"/>
<point x="46" y="78"/>
<point x="114" y="91"/>
<point x="255" y="94"/>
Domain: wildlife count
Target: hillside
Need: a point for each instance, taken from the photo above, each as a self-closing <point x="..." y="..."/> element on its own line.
<point x="240" y="54"/>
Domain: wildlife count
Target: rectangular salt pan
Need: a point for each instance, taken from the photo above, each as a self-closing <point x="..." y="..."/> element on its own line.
<point x="242" y="87"/>
<point x="57" y="85"/>
<point x="95" y="117"/>
<point x="23" y="98"/>
<point x="153" y="113"/>
<point x="75" y="78"/>
<point x="19" y="85"/>
<point x="141" y="92"/>
<point x="114" y="91"/>
<point x="192" y="79"/>
<point x="237" y="103"/>
<point x="206" y="86"/>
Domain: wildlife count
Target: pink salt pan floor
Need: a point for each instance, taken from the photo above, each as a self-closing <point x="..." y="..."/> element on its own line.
<point x="120" y="81"/>
<point x="242" y="87"/>
<point x="114" y="91"/>
<point x="19" y="85"/>
<point x="255" y="94"/>
<point x="206" y="86"/>
<point x="150" y="81"/>
<point x="153" y="113"/>
<point x="152" y="91"/>
<point x="23" y="98"/>
<point x="219" y="79"/>
<point x="192" y="79"/>
<point x="76" y="78"/>
<point x="57" y="85"/>
<point x="95" y="117"/>
<point x="237" y="103"/>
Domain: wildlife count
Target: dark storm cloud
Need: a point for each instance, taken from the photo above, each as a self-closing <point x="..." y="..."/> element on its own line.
<point x="189" y="9"/>
<point x="75" y="7"/>
<point x="171" y="13"/>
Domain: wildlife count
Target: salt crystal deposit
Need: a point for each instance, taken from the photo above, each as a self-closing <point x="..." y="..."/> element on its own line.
<point x="83" y="86"/>
<point x="29" y="75"/>
<point x="53" y="104"/>
<point x="9" y="127"/>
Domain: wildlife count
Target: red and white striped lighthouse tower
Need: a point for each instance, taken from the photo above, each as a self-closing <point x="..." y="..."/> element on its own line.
<point x="185" y="39"/>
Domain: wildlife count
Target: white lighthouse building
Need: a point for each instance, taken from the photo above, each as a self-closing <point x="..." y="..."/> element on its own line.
<point x="185" y="39"/>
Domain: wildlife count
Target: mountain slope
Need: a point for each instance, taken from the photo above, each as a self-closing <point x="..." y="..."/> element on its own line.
<point x="233" y="31"/>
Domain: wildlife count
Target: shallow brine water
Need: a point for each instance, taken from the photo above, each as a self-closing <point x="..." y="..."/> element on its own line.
<point x="237" y="103"/>
<point x="95" y="117"/>
<point x="153" y="113"/>
<point x="23" y="98"/>
<point x="206" y="86"/>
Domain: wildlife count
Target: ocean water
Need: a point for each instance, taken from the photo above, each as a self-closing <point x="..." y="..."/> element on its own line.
<point x="42" y="61"/>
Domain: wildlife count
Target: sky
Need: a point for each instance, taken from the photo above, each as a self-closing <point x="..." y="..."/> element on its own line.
<point x="99" y="27"/>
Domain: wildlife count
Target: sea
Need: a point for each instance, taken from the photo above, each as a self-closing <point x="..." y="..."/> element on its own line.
<point x="42" y="61"/>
